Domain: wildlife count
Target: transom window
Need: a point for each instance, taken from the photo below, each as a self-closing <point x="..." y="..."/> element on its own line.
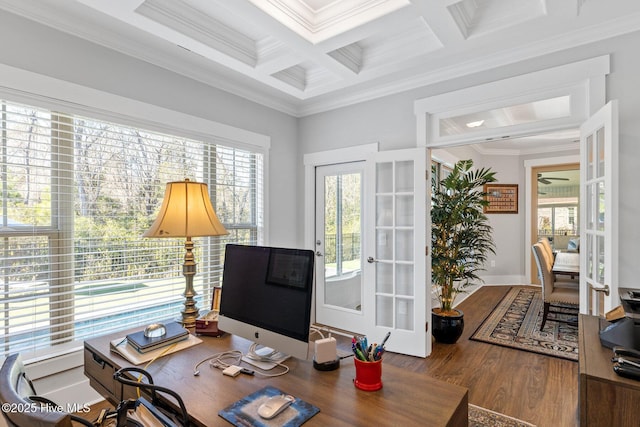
<point x="77" y="194"/>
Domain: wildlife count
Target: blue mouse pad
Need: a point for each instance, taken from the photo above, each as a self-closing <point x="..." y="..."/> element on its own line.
<point x="244" y="412"/>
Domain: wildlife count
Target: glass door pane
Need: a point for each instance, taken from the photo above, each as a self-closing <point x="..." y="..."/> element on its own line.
<point x="599" y="153"/>
<point x="342" y="231"/>
<point x="338" y="242"/>
<point x="395" y="200"/>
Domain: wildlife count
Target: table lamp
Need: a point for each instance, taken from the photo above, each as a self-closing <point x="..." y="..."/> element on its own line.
<point x="187" y="212"/>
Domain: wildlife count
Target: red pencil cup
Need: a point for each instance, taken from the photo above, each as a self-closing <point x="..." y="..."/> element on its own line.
<point x="368" y="375"/>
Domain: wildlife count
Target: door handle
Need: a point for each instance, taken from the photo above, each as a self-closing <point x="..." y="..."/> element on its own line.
<point x="604" y="289"/>
<point x="318" y="253"/>
<point x="371" y="260"/>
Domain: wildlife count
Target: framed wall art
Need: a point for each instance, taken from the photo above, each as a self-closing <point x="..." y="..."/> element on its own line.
<point x="502" y="198"/>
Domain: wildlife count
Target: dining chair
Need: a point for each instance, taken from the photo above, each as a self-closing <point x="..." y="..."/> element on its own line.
<point x="548" y="250"/>
<point x="24" y="409"/>
<point x="553" y="295"/>
<point x="562" y="281"/>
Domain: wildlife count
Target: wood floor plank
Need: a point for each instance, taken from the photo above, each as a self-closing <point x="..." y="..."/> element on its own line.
<point x="540" y="389"/>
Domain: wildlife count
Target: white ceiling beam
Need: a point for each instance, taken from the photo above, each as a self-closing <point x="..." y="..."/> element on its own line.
<point x="274" y="56"/>
<point x="438" y="18"/>
<point x="394" y="20"/>
<point x="297" y="43"/>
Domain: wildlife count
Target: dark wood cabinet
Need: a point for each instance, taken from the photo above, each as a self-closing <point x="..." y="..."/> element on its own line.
<point x="606" y="399"/>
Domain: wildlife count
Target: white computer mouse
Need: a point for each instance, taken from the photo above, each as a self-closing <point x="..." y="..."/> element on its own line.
<point x="274" y="405"/>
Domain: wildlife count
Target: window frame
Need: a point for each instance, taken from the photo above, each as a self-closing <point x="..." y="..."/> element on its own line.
<point x="57" y="95"/>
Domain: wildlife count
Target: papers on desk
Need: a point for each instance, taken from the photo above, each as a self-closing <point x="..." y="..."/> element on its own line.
<point x="126" y="350"/>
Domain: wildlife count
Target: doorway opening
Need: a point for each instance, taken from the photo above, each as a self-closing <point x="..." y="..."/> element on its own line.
<point x="523" y="159"/>
<point x="555" y="208"/>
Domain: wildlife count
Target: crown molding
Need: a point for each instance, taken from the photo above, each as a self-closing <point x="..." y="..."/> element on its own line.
<point x="317" y="26"/>
<point x="610" y="29"/>
<point x="526" y="150"/>
<point x="321" y="93"/>
<point x="185" y="20"/>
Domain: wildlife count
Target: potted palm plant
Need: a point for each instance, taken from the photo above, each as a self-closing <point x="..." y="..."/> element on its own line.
<point x="461" y="239"/>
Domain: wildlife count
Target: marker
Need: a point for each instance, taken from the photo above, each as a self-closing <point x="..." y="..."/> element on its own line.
<point x="359" y="352"/>
<point x="362" y="352"/>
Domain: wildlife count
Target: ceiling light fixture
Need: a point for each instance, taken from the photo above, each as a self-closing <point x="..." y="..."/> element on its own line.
<point x="475" y="124"/>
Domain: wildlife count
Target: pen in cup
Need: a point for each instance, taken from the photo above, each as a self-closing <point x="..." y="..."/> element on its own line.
<point x="368" y="353"/>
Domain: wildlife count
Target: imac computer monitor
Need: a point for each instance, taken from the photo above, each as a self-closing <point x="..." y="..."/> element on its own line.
<point x="266" y="297"/>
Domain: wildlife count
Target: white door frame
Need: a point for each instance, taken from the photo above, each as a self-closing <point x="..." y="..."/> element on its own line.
<point x="605" y="119"/>
<point x="586" y="79"/>
<point x="528" y="166"/>
<point x="583" y="81"/>
<point x="334" y="313"/>
<point x="324" y="158"/>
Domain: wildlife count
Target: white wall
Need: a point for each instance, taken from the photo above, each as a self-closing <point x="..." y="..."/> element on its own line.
<point x="390" y="121"/>
<point x="50" y="52"/>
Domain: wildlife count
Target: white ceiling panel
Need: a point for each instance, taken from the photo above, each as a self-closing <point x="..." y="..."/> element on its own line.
<point x="308" y="56"/>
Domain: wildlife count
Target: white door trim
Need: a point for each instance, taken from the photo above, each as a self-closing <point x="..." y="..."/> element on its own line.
<point x="528" y="188"/>
<point x="583" y="79"/>
<point x="586" y="78"/>
<point x="323" y="158"/>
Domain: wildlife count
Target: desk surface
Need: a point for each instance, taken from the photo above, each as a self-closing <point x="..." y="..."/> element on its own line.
<point x="406" y="398"/>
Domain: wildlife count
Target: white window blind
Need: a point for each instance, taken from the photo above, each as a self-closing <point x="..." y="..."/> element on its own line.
<point x="77" y="194"/>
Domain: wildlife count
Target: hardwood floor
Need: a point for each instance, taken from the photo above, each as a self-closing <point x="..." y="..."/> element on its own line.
<point x="540" y="389"/>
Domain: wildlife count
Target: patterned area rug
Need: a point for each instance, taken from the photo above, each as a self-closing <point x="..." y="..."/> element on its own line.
<point x="481" y="417"/>
<point x="516" y="321"/>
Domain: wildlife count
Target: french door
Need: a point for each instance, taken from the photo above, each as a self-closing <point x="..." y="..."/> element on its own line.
<point x="339" y="236"/>
<point x="396" y="252"/>
<point x="379" y="286"/>
<point x="599" y="191"/>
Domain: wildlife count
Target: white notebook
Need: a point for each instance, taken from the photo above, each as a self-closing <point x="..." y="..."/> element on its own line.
<point x="124" y="349"/>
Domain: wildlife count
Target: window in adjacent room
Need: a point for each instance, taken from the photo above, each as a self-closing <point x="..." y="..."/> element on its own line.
<point x="558" y="205"/>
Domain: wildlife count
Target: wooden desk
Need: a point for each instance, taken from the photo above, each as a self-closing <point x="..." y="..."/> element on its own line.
<point x="405" y="399"/>
<point x="606" y="399"/>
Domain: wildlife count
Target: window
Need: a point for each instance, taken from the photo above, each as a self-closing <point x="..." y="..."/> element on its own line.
<point x="77" y="194"/>
<point x="343" y="211"/>
<point x="509" y="115"/>
<point x="558" y="196"/>
<point x="439" y="171"/>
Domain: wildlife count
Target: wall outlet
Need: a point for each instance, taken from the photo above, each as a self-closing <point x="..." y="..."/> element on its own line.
<point x="493" y="263"/>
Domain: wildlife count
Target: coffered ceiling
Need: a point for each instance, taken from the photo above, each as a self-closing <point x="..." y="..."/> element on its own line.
<point x="307" y="56"/>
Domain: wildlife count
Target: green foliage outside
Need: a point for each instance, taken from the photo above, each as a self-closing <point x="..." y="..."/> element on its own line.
<point x="115" y="179"/>
<point x="342" y="207"/>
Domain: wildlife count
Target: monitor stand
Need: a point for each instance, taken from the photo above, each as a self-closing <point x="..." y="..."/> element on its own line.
<point x="265" y="364"/>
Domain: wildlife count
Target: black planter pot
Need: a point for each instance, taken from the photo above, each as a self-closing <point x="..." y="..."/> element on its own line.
<point x="447" y="329"/>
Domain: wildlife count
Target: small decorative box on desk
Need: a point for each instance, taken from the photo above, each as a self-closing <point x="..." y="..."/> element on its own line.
<point x="207" y="324"/>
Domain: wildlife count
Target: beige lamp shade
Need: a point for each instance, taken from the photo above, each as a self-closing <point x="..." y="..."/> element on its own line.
<point x="186" y="212"/>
